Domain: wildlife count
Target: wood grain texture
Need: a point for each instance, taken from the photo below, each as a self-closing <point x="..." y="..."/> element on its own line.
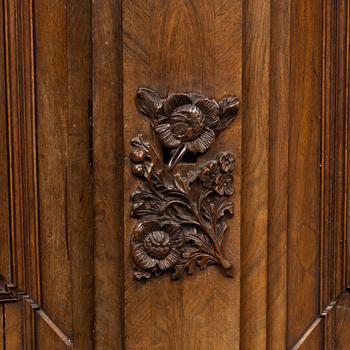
<point x="15" y="149"/>
<point x="304" y="167"/>
<point x="326" y="231"/>
<point x="108" y="173"/>
<point x="255" y="148"/>
<point x="312" y="339"/>
<point x="342" y="336"/>
<point x="63" y="83"/>
<point x="288" y="61"/>
<point x="12" y="324"/>
<point x="347" y="111"/>
<point x="335" y="127"/>
<point x="21" y="141"/>
<point x="340" y="120"/>
<point x="186" y="47"/>
<point x="48" y="335"/>
<point x="278" y="175"/>
<point x="2" y="339"/>
<point x="53" y="161"/>
<point x="5" y="234"/>
<point x="80" y="170"/>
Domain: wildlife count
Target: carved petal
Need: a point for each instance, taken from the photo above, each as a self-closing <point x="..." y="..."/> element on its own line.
<point x="148" y="101"/>
<point x="202" y="142"/>
<point x="175" y="100"/>
<point x="210" y="109"/>
<point x="141" y="258"/>
<point x="166" y="135"/>
<point x="170" y="260"/>
<point x="144" y="228"/>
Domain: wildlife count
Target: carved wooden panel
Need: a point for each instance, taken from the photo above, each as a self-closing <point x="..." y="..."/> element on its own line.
<point x="181" y="210"/>
<point x="174" y="189"/>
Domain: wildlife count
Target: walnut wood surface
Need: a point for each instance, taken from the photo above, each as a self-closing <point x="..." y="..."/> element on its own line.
<point x="69" y="74"/>
<point x="108" y="173"/>
<point x="196" y="40"/>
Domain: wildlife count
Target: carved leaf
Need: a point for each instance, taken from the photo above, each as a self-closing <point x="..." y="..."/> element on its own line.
<point x="148" y="102"/>
<point x="228" y="112"/>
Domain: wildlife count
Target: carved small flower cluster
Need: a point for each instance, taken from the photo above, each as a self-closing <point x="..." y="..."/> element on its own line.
<point x="221" y="181"/>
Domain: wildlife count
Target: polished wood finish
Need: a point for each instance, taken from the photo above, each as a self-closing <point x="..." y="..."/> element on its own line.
<point x="108" y="164"/>
<point x="196" y="40"/>
<point x="69" y="75"/>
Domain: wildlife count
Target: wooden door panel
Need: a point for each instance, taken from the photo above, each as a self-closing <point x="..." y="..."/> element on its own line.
<point x="63" y="98"/>
<point x="63" y="95"/>
<point x="186" y="47"/>
<point x="48" y="103"/>
<point x="70" y="72"/>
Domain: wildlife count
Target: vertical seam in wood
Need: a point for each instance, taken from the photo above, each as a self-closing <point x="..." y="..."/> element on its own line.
<point x="7" y="138"/>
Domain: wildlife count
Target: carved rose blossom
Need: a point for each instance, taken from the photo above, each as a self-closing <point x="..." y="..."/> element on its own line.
<point x="156" y="246"/>
<point x="188" y="120"/>
<point x="224" y="184"/>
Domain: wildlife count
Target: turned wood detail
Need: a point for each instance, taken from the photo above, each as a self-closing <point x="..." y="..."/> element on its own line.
<point x="181" y="208"/>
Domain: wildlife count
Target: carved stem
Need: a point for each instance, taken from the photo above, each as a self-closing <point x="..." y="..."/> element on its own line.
<point x="177" y="156"/>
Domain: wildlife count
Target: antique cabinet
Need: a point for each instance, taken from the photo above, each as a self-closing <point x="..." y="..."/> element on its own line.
<point x="174" y="174"/>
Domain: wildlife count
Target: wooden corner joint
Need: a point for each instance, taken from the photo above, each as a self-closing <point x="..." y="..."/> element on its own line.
<point x="8" y="294"/>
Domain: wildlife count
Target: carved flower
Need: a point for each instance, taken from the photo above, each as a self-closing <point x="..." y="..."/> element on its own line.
<point x="226" y="161"/>
<point x="208" y="175"/>
<point x="155" y="245"/>
<point x="224" y="184"/>
<point x="188" y="120"/>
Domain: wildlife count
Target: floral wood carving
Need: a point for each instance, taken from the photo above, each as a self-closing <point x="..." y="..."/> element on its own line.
<point x="181" y="208"/>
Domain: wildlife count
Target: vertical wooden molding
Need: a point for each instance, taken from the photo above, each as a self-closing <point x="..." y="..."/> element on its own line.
<point x="255" y="149"/>
<point x="335" y="153"/>
<point x="5" y="217"/>
<point x="327" y="174"/>
<point x="278" y="175"/>
<point x="108" y="170"/>
<point x="347" y="111"/>
<point x="22" y="145"/>
<point x="304" y="167"/>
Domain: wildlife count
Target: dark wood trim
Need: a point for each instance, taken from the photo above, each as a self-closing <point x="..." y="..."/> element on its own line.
<point x="22" y="145"/>
<point x="334" y="161"/>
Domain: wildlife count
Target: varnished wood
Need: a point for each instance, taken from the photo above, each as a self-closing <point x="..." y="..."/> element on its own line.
<point x="304" y="168"/>
<point x="12" y="322"/>
<point x="187" y="29"/>
<point x="181" y="218"/>
<point x="312" y="339"/>
<point x="5" y="216"/>
<point x="278" y="175"/>
<point x="255" y="149"/>
<point x="69" y="74"/>
<point x="108" y="173"/>
<point x="342" y="336"/>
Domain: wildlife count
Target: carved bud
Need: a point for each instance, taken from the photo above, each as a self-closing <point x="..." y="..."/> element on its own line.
<point x="138" y="169"/>
<point x="138" y="156"/>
